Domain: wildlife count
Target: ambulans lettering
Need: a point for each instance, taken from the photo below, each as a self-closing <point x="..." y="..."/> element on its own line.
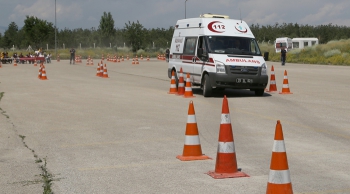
<point x="242" y="61"/>
<point x="217" y="27"/>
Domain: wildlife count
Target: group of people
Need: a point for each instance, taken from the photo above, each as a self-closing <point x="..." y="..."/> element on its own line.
<point x="23" y="58"/>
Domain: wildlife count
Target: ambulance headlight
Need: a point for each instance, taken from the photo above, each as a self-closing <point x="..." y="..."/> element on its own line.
<point x="263" y="69"/>
<point x="220" y="67"/>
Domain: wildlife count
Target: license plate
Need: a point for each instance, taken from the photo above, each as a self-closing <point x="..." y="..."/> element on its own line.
<point x="244" y="81"/>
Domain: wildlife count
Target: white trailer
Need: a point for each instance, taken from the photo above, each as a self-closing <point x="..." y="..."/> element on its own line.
<point x="300" y="43"/>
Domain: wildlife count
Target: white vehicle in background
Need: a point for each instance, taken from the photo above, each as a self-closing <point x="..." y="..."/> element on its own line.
<point x="300" y="43"/>
<point x="283" y="42"/>
<point x="218" y="53"/>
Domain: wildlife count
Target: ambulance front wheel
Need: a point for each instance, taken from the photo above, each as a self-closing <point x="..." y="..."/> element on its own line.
<point x="259" y="92"/>
<point x="207" y="89"/>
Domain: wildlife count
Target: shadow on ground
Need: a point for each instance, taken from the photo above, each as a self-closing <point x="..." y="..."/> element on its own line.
<point x="230" y="93"/>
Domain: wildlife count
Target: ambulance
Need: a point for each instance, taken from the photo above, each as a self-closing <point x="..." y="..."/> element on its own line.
<point x="218" y="53"/>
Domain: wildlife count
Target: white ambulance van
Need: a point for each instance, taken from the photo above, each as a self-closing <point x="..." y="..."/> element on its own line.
<point x="217" y="53"/>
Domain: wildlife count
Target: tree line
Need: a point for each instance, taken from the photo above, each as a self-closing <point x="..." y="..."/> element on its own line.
<point x="324" y="33"/>
<point x="38" y="33"/>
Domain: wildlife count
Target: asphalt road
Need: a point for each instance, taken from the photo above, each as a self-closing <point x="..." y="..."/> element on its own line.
<point x="122" y="134"/>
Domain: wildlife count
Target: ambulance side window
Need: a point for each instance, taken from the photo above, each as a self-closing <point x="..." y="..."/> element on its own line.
<point x="202" y="45"/>
<point x="190" y="45"/>
<point x="252" y="47"/>
<point x="202" y="52"/>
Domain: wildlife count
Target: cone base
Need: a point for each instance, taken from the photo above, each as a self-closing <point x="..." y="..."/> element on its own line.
<point x="271" y="91"/>
<point x="285" y="93"/>
<point x="279" y="188"/>
<point x="172" y="92"/>
<point x="237" y="174"/>
<point x="189" y="158"/>
<point x="188" y="96"/>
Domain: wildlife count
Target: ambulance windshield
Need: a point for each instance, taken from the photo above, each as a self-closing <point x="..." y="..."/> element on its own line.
<point x="233" y="45"/>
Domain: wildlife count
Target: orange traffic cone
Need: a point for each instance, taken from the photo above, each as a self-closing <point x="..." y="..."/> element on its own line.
<point x="58" y="58"/>
<point x="105" y="74"/>
<point x="147" y="58"/>
<point x="192" y="148"/>
<point x="43" y="73"/>
<point x="14" y="63"/>
<point x="188" y="89"/>
<point x="91" y="62"/>
<point x="98" y="70"/>
<point x="273" y="87"/>
<point x="173" y="89"/>
<point x="0" y="64"/>
<point x="226" y="164"/>
<point x="181" y="85"/>
<point x="133" y="61"/>
<point x="137" y="61"/>
<point x="35" y="64"/>
<point x="40" y="68"/>
<point x="279" y="177"/>
<point x="101" y="71"/>
<point x="285" y="87"/>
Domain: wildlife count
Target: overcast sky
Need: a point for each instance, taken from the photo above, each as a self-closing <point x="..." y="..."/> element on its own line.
<point x="86" y="14"/>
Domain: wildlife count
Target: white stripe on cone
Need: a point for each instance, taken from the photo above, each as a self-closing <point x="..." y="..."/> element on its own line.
<point x="278" y="146"/>
<point x="225" y="119"/>
<point x="192" y="140"/>
<point x="226" y="147"/>
<point x="191" y="119"/>
<point x="279" y="177"/>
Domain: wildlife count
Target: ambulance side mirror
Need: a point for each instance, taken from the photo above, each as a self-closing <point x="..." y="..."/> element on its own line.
<point x="203" y="56"/>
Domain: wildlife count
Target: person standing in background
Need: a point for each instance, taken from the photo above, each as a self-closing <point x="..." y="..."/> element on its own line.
<point x="72" y="56"/>
<point x="283" y="56"/>
<point x="167" y="54"/>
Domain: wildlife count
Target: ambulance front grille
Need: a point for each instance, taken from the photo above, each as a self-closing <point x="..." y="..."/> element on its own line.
<point x="247" y="70"/>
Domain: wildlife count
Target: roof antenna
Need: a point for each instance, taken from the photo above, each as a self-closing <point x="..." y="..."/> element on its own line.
<point x="240" y="16"/>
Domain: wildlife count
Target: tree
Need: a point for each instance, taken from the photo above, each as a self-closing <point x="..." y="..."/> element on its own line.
<point x="106" y="28"/>
<point x="10" y="36"/>
<point x="134" y="33"/>
<point x="37" y="31"/>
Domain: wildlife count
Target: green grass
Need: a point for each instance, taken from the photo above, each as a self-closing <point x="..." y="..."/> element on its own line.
<point x="332" y="53"/>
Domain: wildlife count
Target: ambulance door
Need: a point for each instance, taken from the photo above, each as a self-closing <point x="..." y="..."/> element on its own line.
<point x="189" y="55"/>
<point x="201" y="59"/>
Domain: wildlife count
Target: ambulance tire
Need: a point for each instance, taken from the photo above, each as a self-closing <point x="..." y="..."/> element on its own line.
<point x="207" y="89"/>
<point x="259" y="92"/>
<point x="176" y="78"/>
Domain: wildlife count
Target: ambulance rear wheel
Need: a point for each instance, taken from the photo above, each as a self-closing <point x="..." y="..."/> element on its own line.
<point x="207" y="90"/>
<point x="176" y="78"/>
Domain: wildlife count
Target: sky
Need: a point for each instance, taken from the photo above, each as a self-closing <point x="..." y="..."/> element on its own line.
<point x="73" y="14"/>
